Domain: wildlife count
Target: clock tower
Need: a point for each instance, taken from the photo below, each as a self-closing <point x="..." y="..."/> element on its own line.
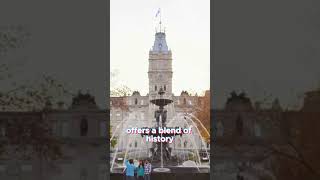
<point x="160" y="67"/>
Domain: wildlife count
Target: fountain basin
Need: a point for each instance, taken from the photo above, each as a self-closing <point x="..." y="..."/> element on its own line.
<point x="161" y="102"/>
<point x="189" y="164"/>
<point x="162" y="170"/>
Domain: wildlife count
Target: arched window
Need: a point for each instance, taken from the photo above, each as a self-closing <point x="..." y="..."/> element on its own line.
<point x="84" y="127"/>
<point x="135" y="144"/>
<point x="155" y="87"/>
<point x="184" y="101"/>
<point x="239" y="126"/>
<point x="185" y="144"/>
<point x="136" y="101"/>
<point x="165" y="87"/>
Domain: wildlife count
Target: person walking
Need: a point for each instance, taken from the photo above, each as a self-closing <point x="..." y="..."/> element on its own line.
<point x="140" y="170"/>
<point x="147" y="170"/>
<point x="130" y="168"/>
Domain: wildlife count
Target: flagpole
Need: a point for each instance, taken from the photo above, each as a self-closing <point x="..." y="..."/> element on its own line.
<point x="160" y="20"/>
<point x="159" y="13"/>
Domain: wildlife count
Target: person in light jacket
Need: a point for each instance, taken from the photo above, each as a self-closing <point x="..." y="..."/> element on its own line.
<point x="130" y="168"/>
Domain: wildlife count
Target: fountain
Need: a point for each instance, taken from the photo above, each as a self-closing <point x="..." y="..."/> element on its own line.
<point x="161" y="150"/>
<point x="165" y="157"/>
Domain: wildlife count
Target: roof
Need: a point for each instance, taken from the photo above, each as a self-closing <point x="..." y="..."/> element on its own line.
<point x="160" y="43"/>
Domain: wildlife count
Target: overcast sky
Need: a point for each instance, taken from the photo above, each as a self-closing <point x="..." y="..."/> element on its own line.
<point x="259" y="46"/>
<point x="132" y="33"/>
<point x="271" y="46"/>
<point x="68" y="41"/>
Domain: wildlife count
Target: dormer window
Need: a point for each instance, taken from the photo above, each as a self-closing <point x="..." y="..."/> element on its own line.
<point x="239" y="126"/>
<point x="84" y="127"/>
<point x="136" y="101"/>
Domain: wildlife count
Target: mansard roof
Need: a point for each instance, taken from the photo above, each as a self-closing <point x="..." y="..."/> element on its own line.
<point x="136" y="93"/>
<point x="238" y="102"/>
<point x="184" y="93"/>
<point x="84" y="100"/>
<point x="160" y="43"/>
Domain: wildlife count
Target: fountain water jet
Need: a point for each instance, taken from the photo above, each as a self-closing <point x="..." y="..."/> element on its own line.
<point x="161" y="116"/>
<point x="165" y="157"/>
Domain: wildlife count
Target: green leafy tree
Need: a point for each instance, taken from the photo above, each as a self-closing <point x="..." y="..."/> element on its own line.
<point x="113" y="142"/>
<point x="121" y="91"/>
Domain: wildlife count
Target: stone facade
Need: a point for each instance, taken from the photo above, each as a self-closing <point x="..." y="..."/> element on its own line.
<point x="245" y="137"/>
<point x="138" y="108"/>
<point x="82" y="130"/>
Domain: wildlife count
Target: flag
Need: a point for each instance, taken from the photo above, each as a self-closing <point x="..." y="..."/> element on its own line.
<point x="158" y="12"/>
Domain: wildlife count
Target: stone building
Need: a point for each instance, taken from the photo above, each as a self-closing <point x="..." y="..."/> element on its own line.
<point x="137" y="110"/>
<point x="82" y="130"/>
<point x="242" y="135"/>
<point x="251" y="142"/>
